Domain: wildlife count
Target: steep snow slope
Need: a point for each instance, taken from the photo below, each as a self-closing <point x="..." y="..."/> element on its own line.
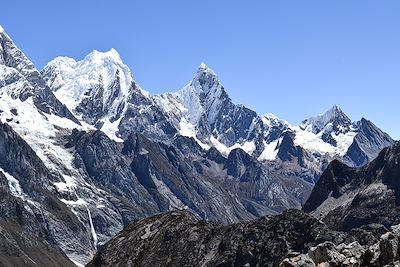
<point x="74" y="81"/>
<point x="100" y="90"/>
<point x="203" y="110"/>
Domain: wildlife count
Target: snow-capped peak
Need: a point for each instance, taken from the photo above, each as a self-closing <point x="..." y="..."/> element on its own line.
<point x="334" y="111"/>
<point x="271" y="119"/>
<point x="332" y="120"/>
<point x="96" y="88"/>
<point x="72" y="79"/>
<point x="204" y="68"/>
<point x="205" y="79"/>
<point x="202" y="95"/>
<point x="99" y="57"/>
<point x="1" y="29"/>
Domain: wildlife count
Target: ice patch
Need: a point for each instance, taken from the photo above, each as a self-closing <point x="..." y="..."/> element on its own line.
<point x="189" y="130"/>
<point x="186" y="128"/>
<point x="313" y="142"/>
<point x="270" y="151"/>
<point x="77" y="263"/>
<point x="68" y="185"/>
<point x="13" y="184"/>
<point x="111" y="128"/>
<point x="248" y="146"/>
<point x="78" y="259"/>
<point x="78" y="202"/>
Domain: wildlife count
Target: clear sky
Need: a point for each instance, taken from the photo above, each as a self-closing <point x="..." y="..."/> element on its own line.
<point x="291" y="58"/>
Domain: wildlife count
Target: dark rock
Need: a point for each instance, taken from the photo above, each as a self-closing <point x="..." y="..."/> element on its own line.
<point x="180" y="239"/>
<point x="371" y="193"/>
<point x="367" y="144"/>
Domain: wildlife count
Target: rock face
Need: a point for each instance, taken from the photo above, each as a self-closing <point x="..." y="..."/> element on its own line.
<point x="180" y="239"/>
<point x="347" y="198"/>
<point x="361" y="151"/>
<point x="293" y="238"/>
<point x="24" y="240"/>
<point x="20" y="248"/>
<point x="361" y="241"/>
<point x="156" y="177"/>
<point x="33" y="220"/>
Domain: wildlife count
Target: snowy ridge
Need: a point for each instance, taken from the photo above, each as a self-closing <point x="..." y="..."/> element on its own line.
<point x="314" y="142"/>
<point x="248" y="146"/>
<point x="199" y="96"/>
<point x="327" y="121"/>
<point x="73" y="78"/>
<point x="330" y="133"/>
<point x="272" y="120"/>
<point x="100" y="91"/>
<point x="199" y="102"/>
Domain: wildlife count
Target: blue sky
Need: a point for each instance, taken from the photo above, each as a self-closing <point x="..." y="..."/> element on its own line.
<point x="291" y="58"/>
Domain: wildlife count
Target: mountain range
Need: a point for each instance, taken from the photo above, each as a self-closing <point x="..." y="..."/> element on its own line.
<point x="350" y="219"/>
<point x="85" y="151"/>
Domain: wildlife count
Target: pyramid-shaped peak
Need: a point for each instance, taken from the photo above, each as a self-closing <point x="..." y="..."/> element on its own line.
<point x="203" y="68"/>
<point x="205" y="79"/>
<point x="335" y="108"/>
<point x="335" y="117"/>
<point x="203" y="65"/>
<point x="334" y="111"/>
<point x="336" y="114"/>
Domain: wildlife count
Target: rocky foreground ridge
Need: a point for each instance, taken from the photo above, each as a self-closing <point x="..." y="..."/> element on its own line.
<point x="293" y="238"/>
